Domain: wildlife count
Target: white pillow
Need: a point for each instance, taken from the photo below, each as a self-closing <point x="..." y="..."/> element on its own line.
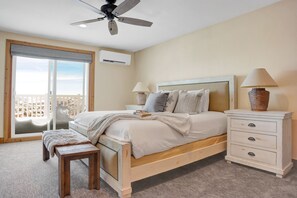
<point x="204" y="103"/>
<point x="205" y="98"/>
<point x="171" y="100"/>
<point x="188" y="102"/>
<point x="201" y="92"/>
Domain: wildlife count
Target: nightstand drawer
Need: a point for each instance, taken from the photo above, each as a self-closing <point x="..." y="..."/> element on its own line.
<point x="253" y="139"/>
<point x="264" y="126"/>
<point x="252" y="154"/>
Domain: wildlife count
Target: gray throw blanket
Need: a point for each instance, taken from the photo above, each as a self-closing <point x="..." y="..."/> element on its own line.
<point x="180" y="122"/>
<point x="61" y="137"/>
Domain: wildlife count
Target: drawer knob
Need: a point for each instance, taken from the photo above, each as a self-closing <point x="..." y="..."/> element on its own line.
<point x="251" y="125"/>
<point x="251" y="154"/>
<point x="251" y="139"/>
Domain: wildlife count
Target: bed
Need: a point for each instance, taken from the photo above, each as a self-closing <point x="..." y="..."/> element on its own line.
<point x="118" y="166"/>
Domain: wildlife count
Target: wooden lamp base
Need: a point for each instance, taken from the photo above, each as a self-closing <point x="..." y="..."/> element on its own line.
<point x="259" y="99"/>
<point x="140" y="98"/>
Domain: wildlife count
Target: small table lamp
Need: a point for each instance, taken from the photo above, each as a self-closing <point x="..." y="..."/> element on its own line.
<point x="257" y="80"/>
<point x="140" y="90"/>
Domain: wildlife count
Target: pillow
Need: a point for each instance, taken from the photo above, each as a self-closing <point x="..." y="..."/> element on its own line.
<point x="156" y="102"/>
<point x="204" y="103"/>
<point x="205" y="99"/>
<point x="201" y="103"/>
<point x="171" y="101"/>
<point x="187" y="102"/>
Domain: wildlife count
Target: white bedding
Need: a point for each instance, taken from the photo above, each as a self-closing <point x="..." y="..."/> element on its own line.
<point x="87" y="119"/>
<point x="152" y="136"/>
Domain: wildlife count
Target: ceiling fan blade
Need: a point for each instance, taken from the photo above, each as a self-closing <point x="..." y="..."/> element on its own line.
<point x="134" y="21"/>
<point x="90" y="7"/>
<point x="87" y="21"/>
<point x="124" y="7"/>
<point x="113" y="28"/>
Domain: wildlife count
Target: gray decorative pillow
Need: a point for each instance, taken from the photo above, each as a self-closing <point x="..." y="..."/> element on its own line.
<point x="171" y="101"/>
<point x="156" y="102"/>
<point x="188" y="102"/>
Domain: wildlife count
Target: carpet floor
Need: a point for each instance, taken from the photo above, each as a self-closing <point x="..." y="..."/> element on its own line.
<point x="24" y="174"/>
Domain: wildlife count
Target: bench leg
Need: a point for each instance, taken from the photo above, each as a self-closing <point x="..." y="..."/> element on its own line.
<point x="64" y="177"/>
<point x="94" y="174"/>
<point x="45" y="153"/>
<point x="67" y="176"/>
<point x="98" y="171"/>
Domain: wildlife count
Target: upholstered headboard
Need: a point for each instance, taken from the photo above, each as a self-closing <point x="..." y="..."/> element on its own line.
<point x="222" y="90"/>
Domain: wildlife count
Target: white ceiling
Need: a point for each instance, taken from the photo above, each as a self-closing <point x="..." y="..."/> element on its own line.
<point x="171" y="18"/>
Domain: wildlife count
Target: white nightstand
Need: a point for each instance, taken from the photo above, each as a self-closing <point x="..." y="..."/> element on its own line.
<point x="134" y="107"/>
<point x="261" y="139"/>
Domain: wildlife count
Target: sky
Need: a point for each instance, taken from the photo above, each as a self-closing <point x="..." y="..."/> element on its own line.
<point x="32" y="77"/>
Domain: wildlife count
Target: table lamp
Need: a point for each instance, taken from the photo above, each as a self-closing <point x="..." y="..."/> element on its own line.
<point x="257" y="80"/>
<point x="140" y="91"/>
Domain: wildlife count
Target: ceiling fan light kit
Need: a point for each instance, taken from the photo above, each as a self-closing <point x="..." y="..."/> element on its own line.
<point x="110" y="11"/>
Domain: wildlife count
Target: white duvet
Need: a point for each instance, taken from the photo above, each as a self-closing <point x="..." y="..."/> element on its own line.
<point x="152" y="136"/>
<point x="88" y="119"/>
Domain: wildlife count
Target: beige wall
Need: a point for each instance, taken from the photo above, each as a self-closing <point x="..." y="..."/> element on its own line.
<point x="264" y="38"/>
<point x="113" y="83"/>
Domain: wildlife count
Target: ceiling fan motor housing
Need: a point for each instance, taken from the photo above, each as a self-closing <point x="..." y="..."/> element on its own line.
<point x="107" y="9"/>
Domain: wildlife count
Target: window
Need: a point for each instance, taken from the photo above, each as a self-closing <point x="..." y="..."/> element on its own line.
<point x="46" y="87"/>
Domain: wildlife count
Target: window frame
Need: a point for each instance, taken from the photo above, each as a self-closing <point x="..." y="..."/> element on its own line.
<point x="8" y="85"/>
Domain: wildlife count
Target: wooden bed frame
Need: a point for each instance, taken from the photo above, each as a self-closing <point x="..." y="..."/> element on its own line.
<point x="118" y="154"/>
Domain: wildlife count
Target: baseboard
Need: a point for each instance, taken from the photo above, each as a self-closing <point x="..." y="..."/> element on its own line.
<point x="10" y="140"/>
<point x="1" y="140"/>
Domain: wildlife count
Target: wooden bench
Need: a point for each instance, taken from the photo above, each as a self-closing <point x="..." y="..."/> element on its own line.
<point x="74" y="152"/>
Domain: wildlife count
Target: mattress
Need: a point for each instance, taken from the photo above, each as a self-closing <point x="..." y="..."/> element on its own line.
<point x="152" y="136"/>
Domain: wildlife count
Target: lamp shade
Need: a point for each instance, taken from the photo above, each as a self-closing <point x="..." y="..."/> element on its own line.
<point x="259" y="77"/>
<point x="139" y="87"/>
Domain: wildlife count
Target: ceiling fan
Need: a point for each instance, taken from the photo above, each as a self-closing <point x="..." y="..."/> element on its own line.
<point x="110" y="11"/>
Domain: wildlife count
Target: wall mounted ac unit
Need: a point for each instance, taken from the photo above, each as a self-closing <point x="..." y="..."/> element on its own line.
<point x="114" y="57"/>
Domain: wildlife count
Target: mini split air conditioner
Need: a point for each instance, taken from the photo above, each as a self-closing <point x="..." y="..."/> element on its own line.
<point x="114" y="57"/>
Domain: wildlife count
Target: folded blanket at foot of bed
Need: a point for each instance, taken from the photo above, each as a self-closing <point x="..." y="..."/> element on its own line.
<point x="62" y="137"/>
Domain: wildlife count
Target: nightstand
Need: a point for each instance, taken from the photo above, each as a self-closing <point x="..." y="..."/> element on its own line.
<point x="260" y="139"/>
<point x="134" y="107"/>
